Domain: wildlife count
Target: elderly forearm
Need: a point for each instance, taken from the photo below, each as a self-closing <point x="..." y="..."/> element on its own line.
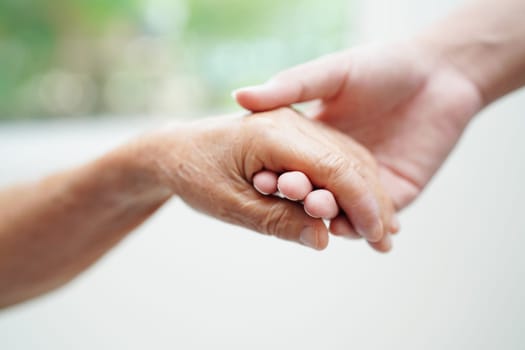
<point x="52" y="230"/>
<point x="485" y="41"/>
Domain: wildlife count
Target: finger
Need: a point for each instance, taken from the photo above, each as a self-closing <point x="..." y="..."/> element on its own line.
<point x="284" y="219"/>
<point x="396" y="191"/>
<point x="367" y="167"/>
<point x="384" y="245"/>
<point x="318" y="79"/>
<point x="352" y="194"/>
<point x="340" y="226"/>
<point x="389" y="216"/>
<point x="355" y="198"/>
<point x="402" y="192"/>
<point x="321" y="204"/>
<point x="294" y="185"/>
<point x="265" y="182"/>
<point x="332" y="170"/>
<point x="386" y="208"/>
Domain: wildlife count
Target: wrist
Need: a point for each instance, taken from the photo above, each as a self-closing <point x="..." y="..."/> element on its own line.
<point x="164" y="156"/>
<point x="458" y="56"/>
<point x="483" y="42"/>
<point x="134" y="171"/>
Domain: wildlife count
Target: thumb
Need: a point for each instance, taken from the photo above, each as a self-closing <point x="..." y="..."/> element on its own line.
<point x="283" y="219"/>
<point x="319" y="79"/>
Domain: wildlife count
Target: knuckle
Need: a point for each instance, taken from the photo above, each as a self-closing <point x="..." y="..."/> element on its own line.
<point x="366" y="158"/>
<point x="280" y="115"/>
<point x="261" y="129"/>
<point x="371" y="162"/>
<point x="269" y="126"/>
<point x="260" y="122"/>
<point x="335" y="166"/>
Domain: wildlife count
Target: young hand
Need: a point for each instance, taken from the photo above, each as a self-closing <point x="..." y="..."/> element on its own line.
<point x="405" y="103"/>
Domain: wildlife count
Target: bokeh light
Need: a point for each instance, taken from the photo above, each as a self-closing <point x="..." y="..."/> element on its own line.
<point x="150" y="57"/>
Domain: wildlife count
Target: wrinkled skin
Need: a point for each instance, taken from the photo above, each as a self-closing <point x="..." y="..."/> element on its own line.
<point x="210" y="165"/>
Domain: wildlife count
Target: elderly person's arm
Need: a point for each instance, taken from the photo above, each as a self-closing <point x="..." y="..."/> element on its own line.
<point x="53" y="229"/>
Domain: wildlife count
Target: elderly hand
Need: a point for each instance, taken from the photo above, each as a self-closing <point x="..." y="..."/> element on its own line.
<point x="211" y="164"/>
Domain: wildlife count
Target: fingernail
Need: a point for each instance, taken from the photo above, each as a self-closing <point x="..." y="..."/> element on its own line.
<point x="373" y="234"/>
<point x="260" y="191"/>
<point x="308" y="237"/>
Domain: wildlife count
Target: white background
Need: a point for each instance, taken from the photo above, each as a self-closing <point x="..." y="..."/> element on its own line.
<point x="455" y="279"/>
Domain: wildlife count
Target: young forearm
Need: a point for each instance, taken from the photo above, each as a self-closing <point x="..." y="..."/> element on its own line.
<point x="485" y="41"/>
<point x="52" y="230"/>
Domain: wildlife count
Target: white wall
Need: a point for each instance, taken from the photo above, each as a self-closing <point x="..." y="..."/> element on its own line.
<point x="455" y="279"/>
<point x="384" y="20"/>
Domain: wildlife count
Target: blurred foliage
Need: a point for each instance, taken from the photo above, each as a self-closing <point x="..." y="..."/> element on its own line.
<point x="91" y="57"/>
<point x="235" y="18"/>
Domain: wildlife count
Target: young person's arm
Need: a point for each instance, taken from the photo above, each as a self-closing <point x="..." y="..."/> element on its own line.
<point x="485" y="40"/>
<point x="409" y="102"/>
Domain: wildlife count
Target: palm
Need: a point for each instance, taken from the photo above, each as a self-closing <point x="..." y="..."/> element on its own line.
<point x="409" y="115"/>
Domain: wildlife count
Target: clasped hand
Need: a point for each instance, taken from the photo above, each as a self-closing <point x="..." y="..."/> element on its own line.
<point x="211" y="165"/>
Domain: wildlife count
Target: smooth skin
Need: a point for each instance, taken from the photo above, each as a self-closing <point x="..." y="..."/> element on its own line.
<point x="408" y="103"/>
<point x="296" y="186"/>
<point x="52" y="230"/>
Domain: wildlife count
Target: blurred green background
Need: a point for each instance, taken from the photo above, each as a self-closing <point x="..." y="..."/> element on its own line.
<point x="152" y="57"/>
